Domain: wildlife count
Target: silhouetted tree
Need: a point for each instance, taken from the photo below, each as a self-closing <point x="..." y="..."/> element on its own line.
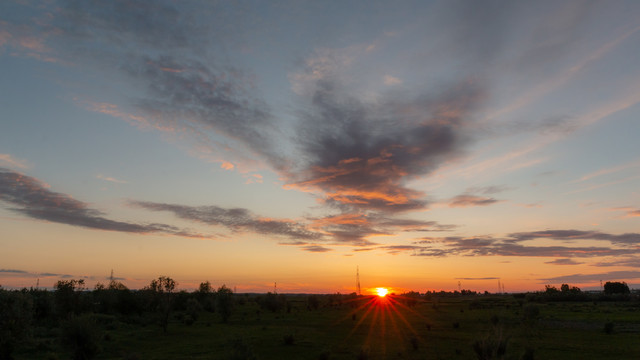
<point x="411" y="298"/>
<point x="205" y="295"/>
<point x="273" y="302"/>
<point x="67" y="296"/>
<point x="615" y="287"/>
<point x="162" y="289"/>
<point x="224" y="302"/>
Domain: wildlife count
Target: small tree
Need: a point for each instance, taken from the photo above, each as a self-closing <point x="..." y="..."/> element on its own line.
<point x="204" y="294"/>
<point x="615" y="287"/>
<point x="224" y="302"/>
<point x="162" y="289"/>
<point x="67" y="296"/>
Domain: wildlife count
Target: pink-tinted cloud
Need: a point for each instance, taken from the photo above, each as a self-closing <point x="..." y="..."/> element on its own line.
<point x="9" y="160"/>
<point x="467" y="200"/>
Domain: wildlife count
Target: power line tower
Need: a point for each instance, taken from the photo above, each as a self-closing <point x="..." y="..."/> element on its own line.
<point x="358" y="280"/>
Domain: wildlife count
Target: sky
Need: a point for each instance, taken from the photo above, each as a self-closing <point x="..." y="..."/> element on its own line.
<point x="428" y="145"/>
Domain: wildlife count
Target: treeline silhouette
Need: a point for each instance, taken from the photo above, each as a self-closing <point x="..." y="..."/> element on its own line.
<point x="79" y="315"/>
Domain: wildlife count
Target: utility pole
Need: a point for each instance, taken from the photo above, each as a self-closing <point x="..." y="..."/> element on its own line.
<point x="358" y="280"/>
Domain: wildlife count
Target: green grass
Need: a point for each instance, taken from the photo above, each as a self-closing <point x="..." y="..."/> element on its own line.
<point x="445" y="329"/>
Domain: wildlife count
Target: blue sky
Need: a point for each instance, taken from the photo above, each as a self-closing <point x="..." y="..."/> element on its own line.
<point x="251" y="142"/>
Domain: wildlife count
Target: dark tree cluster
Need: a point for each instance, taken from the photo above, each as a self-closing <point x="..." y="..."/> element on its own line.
<point x="76" y="312"/>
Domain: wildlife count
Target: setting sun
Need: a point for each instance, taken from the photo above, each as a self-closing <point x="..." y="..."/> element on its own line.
<point x="382" y="292"/>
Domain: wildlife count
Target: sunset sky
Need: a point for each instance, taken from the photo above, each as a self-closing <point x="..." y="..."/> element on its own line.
<point x="428" y="143"/>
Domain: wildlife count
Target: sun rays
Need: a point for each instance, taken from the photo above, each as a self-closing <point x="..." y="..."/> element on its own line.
<point x="383" y="321"/>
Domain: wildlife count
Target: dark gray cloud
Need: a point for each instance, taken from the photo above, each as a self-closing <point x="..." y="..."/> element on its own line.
<point x="509" y="246"/>
<point x="480" y="278"/>
<point x="316" y="248"/>
<point x="608" y="276"/>
<point x="362" y="154"/>
<point x="569" y="235"/>
<point x="563" y="262"/>
<point x="236" y="219"/>
<point x="128" y="22"/>
<point x="355" y="228"/>
<point x="13" y="271"/>
<point x="30" y="197"/>
<point x="627" y="261"/>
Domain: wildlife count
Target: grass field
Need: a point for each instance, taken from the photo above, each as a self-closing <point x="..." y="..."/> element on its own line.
<point x="503" y="327"/>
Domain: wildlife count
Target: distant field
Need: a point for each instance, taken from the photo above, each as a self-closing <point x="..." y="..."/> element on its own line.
<point x="366" y="328"/>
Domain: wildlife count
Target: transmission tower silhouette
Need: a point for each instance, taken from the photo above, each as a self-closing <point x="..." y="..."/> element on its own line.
<point x="358" y="280"/>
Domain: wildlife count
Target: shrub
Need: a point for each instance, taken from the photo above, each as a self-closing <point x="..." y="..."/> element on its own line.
<point x="289" y="339"/>
<point x="81" y="335"/>
<point x="530" y="313"/>
<point x="608" y="328"/>
<point x="224" y="303"/>
<point x="415" y="344"/>
<point x="240" y="350"/>
<point x="615" y="287"/>
<point x="363" y="354"/>
<point x="491" y="347"/>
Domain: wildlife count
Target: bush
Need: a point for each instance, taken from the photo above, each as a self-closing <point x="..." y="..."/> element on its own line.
<point x="224" y="303"/>
<point x="614" y="287"/>
<point x="289" y="339"/>
<point x="81" y="335"/>
<point x="608" y="328"/>
<point x="493" y="346"/>
<point x="530" y="313"/>
<point x="240" y="350"/>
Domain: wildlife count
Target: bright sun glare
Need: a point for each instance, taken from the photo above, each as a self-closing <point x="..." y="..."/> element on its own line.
<point x="382" y="292"/>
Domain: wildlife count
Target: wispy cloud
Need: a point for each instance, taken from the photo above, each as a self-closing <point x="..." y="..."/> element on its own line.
<point x="110" y="179"/>
<point x="235" y="219"/>
<point x="478" y="278"/>
<point x="316" y="248"/>
<point x="392" y="80"/>
<point x="563" y="262"/>
<point x="11" y="161"/>
<point x="620" y="261"/>
<point x="467" y="200"/>
<point x="511" y="245"/>
<point x="606" y="171"/>
<point x="608" y="276"/>
<point x="30" y="197"/>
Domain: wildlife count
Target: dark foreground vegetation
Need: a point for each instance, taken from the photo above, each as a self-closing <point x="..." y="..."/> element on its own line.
<point x="158" y="322"/>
